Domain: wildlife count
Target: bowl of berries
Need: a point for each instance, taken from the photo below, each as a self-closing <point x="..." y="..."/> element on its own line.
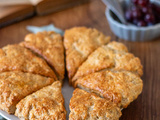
<point x="143" y="20"/>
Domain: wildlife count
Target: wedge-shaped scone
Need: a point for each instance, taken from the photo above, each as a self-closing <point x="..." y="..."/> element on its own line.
<point x="88" y="106"/>
<point x="45" y="104"/>
<point x="117" y="46"/>
<point x="120" y="87"/>
<point x="80" y="42"/>
<point x="49" y="45"/>
<point x="14" y="86"/>
<point x="112" y="56"/>
<point x="17" y="58"/>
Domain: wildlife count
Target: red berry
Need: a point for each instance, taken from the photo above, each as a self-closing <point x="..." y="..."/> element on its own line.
<point x="135" y="21"/>
<point x="141" y="23"/>
<point x="150" y="24"/>
<point x="135" y="2"/>
<point x="157" y="9"/>
<point x="149" y="18"/>
<point x="137" y="13"/>
<point x="143" y="2"/>
<point x="128" y="16"/>
<point x="157" y="18"/>
<point x="143" y="13"/>
<point x="153" y="6"/>
<point x="133" y="8"/>
<point x="146" y="10"/>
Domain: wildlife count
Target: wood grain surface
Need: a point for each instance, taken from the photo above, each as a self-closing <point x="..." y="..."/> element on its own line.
<point x="147" y="106"/>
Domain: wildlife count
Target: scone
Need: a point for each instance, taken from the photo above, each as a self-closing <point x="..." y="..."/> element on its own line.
<point x="48" y="45"/>
<point x="79" y="43"/>
<point x="113" y="56"/>
<point x="120" y="87"/>
<point x="17" y="58"/>
<point x="45" y="104"/>
<point x="15" y="85"/>
<point x="88" y="106"/>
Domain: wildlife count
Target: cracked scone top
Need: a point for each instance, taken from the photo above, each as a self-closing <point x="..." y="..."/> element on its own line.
<point x="89" y="106"/>
<point x="113" y="56"/>
<point x="49" y="45"/>
<point x="79" y="42"/>
<point x="45" y="104"/>
<point x="120" y="87"/>
<point x="16" y="85"/>
<point x="17" y="58"/>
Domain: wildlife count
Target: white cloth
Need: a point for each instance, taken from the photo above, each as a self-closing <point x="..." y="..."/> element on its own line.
<point x="50" y="27"/>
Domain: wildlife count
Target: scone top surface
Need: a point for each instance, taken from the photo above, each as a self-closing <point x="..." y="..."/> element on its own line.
<point x="88" y="106"/>
<point x="17" y="58"/>
<point x="45" y="104"/>
<point x="16" y="85"/>
<point x="120" y="87"/>
<point x="80" y="42"/>
<point x="49" y="45"/>
<point x="113" y="56"/>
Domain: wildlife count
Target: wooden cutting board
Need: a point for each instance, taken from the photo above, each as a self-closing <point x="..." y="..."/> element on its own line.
<point x="11" y="14"/>
<point x="15" y="13"/>
<point x="49" y="6"/>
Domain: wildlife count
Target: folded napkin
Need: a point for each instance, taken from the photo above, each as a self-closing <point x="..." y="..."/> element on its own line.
<point x="50" y="27"/>
<point x="1" y="118"/>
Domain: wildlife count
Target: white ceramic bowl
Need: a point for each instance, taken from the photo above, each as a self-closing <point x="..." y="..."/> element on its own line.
<point x="131" y="32"/>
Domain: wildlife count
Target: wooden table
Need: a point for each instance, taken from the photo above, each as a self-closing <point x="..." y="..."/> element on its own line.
<point x="147" y="106"/>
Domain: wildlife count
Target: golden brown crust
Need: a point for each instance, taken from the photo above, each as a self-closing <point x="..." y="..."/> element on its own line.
<point x="49" y="45"/>
<point x="17" y="58"/>
<point x="120" y="87"/>
<point x="14" y="86"/>
<point x="45" y="104"/>
<point x="88" y="106"/>
<point x="112" y="56"/>
<point x="117" y="46"/>
<point x="79" y="42"/>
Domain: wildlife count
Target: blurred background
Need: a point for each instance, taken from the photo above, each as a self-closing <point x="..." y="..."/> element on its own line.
<point x="17" y="10"/>
<point x="16" y="15"/>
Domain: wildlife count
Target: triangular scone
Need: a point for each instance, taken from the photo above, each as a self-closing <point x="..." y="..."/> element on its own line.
<point x="49" y="45"/>
<point x="117" y="46"/>
<point x="120" y="87"/>
<point x="110" y="57"/>
<point x="17" y="58"/>
<point x="45" y="104"/>
<point x="88" y="106"/>
<point x="16" y="85"/>
<point x="80" y="42"/>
